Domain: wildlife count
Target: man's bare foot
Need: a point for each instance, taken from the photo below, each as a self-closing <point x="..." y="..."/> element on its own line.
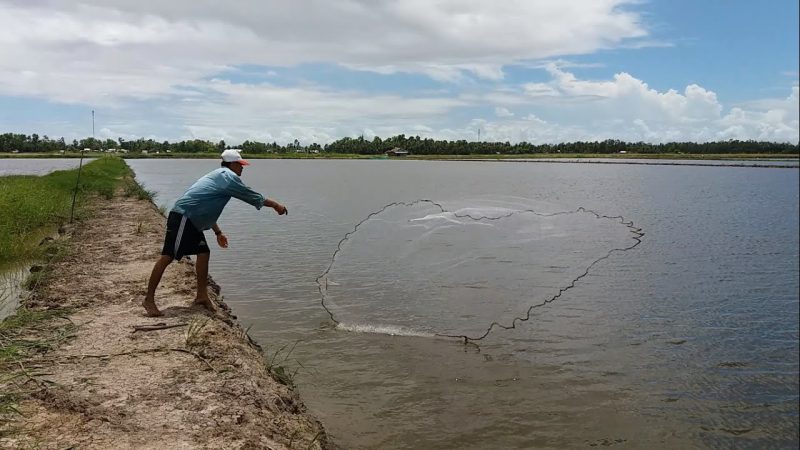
<point x="206" y="303"/>
<point x="151" y="308"/>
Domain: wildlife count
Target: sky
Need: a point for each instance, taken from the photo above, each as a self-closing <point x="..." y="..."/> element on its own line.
<point x="540" y="71"/>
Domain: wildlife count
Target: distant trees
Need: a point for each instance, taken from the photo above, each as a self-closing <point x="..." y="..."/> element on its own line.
<point x="22" y="143"/>
<point x="27" y="144"/>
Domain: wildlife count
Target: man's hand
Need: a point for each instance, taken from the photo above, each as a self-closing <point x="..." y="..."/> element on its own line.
<point x="222" y="240"/>
<point x="280" y="209"/>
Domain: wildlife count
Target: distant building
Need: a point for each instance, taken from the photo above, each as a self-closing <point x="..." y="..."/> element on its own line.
<point x="397" y="151"/>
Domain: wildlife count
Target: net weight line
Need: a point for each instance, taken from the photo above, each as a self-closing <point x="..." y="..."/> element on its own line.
<point x="637" y="234"/>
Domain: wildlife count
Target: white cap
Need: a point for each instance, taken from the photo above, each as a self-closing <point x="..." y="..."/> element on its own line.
<point x="231" y="155"/>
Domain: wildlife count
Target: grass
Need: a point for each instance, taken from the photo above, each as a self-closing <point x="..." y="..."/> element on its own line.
<point x="32" y="208"/>
<point x="54" y="250"/>
<point x="35" y="206"/>
<point x="8" y="403"/>
<point x="14" y="346"/>
<point x="23" y="335"/>
<point x="276" y="364"/>
<point x="134" y="189"/>
<point x="193" y="332"/>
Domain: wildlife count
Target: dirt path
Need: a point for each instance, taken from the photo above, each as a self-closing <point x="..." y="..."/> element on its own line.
<point x="200" y="384"/>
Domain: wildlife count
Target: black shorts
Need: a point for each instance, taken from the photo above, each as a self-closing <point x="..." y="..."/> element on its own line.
<point x="183" y="238"/>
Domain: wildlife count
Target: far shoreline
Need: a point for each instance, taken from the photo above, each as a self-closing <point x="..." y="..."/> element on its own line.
<point x="470" y="157"/>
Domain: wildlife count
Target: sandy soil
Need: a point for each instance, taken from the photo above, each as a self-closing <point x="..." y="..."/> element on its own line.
<point x="201" y="384"/>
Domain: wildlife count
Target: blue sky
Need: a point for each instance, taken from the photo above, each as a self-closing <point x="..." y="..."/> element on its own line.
<point x="517" y="70"/>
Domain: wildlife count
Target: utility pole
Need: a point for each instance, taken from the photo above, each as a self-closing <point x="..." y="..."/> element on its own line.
<point x="78" y="180"/>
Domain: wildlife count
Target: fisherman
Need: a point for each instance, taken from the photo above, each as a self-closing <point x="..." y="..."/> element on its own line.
<point x="196" y="211"/>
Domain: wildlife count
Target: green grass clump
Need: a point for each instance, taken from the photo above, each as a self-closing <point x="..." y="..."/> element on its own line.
<point x="27" y="333"/>
<point x="13" y="346"/>
<point x="25" y="317"/>
<point x="277" y="364"/>
<point x="134" y="189"/>
<point x="34" y="206"/>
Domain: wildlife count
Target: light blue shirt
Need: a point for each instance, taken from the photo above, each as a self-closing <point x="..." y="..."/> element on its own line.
<point x="203" y="202"/>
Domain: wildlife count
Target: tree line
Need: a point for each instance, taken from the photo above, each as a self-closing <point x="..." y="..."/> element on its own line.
<point x="415" y="145"/>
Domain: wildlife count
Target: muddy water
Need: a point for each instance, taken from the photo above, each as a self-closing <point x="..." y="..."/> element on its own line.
<point x="689" y="340"/>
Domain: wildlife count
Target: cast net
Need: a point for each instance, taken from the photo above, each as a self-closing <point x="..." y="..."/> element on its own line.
<point x="421" y="268"/>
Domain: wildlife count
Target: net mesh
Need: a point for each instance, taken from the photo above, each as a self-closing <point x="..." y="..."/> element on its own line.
<point x="419" y="268"/>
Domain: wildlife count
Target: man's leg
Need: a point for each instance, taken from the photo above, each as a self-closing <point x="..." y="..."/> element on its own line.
<point x="201" y="266"/>
<point x="149" y="302"/>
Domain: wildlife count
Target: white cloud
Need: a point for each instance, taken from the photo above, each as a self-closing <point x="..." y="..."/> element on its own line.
<point x="533" y="118"/>
<point x="631" y="96"/>
<point x="621" y="107"/>
<point x="623" y="97"/>
<point x="503" y="112"/>
<point x="236" y="112"/>
<point x="309" y="104"/>
<point x="101" y="51"/>
<point x="540" y="90"/>
<point x="154" y="69"/>
<point x="770" y="119"/>
<point x="624" y="107"/>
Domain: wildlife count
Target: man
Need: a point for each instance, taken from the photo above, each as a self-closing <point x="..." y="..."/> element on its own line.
<point x="198" y="210"/>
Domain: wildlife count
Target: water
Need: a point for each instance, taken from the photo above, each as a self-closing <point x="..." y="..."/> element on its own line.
<point x="465" y="271"/>
<point x="37" y="166"/>
<point x="772" y="162"/>
<point x="688" y="340"/>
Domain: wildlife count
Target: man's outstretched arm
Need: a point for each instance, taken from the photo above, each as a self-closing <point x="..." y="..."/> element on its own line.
<point x="279" y="208"/>
<point x="238" y="190"/>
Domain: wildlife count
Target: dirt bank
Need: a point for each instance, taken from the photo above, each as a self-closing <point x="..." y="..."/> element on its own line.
<point x="98" y="382"/>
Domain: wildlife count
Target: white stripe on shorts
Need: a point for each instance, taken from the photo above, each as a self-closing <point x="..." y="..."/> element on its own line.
<point x="178" y="237"/>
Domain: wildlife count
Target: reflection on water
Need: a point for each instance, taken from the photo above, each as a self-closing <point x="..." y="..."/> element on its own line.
<point x="689" y="340"/>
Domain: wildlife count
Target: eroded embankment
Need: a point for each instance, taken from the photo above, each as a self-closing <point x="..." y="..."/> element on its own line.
<point x="98" y="382"/>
